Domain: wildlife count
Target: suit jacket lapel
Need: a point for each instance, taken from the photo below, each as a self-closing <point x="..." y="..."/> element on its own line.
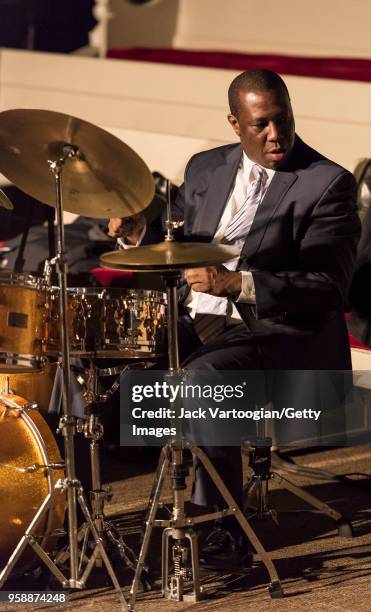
<point x="221" y="184"/>
<point x="279" y="186"/>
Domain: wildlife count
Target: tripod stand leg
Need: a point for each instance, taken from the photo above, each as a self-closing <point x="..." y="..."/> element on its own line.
<point x="100" y="548"/>
<point x="275" y="587"/>
<point x="162" y="467"/>
<point x="85" y="539"/>
<point x="344" y="526"/>
<point x="63" y="555"/>
<point x="49" y="563"/>
<point x="164" y="456"/>
<point x="89" y="566"/>
<point x="25" y="539"/>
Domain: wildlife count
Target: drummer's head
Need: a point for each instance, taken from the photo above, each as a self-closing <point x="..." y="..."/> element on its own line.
<point x="262" y="117"/>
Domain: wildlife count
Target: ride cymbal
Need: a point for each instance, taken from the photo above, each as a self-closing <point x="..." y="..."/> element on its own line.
<point x="106" y="178"/>
<point x="167" y="256"/>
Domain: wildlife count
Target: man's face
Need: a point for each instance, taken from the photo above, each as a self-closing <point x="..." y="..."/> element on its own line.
<point x="265" y="126"/>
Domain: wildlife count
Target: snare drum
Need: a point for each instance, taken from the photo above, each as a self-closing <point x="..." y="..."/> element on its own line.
<point x="110" y="323"/>
<point x="23" y="300"/>
<point x="25" y="442"/>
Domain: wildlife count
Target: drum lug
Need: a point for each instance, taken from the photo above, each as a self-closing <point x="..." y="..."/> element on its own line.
<point x="30" y="469"/>
<point x="64" y="422"/>
<point x="80" y="425"/>
<point x="7" y="390"/>
<point x="30" y="406"/>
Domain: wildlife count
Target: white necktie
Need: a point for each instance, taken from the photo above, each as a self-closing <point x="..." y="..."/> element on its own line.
<point x="211" y="310"/>
<point x="242" y="220"/>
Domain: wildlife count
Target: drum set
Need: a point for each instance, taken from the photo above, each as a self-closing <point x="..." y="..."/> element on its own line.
<point x="43" y="326"/>
<point x="105" y="324"/>
<point x="102" y="323"/>
<point x="77" y="167"/>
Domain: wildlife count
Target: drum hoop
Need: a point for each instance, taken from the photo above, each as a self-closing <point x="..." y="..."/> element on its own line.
<point x="24" y="280"/>
<point x="30" y="362"/>
<point x="144" y="295"/>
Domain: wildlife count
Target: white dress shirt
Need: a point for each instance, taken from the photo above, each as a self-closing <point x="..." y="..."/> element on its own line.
<point x="203" y="302"/>
<point x="198" y="302"/>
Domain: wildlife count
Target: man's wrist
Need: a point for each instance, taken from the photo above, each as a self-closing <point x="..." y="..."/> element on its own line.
<point x="236" y="284"/>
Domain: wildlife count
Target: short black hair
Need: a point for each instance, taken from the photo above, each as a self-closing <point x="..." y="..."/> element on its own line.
<point x="253" y="80"/>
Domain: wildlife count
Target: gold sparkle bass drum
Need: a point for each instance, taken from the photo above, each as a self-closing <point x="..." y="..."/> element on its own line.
<point x="27" y="447"/>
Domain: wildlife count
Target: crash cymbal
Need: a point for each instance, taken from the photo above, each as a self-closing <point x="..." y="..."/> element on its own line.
<point x="168" y="256"/>
<point x="106" y="178"/>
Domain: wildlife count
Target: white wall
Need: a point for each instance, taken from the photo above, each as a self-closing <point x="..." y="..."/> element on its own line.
<point x="315" y="28"/>
<point x="166" y="113"/>
<point x="148" y="25"/>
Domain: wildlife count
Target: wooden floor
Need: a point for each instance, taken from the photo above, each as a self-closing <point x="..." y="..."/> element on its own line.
<point x="318" y="569"/>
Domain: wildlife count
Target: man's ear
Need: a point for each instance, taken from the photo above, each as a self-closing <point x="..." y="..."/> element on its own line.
<point x="234" y="123"/>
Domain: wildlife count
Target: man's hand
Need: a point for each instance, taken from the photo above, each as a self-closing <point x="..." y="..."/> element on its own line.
<point x="129" y="228"/>
<point x="215" y="280"/>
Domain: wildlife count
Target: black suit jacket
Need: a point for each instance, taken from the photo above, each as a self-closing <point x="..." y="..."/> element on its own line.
<point x="300" y="250"/>
<point x="359" y="322"/>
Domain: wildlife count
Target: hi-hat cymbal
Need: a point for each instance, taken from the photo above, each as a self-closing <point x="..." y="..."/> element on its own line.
<point x="168" y="256"/>
<point x="106" y="178"/>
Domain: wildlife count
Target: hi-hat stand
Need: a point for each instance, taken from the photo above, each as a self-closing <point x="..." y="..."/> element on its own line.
<point x="179" y="527"/>
<point x="69" y="485"/>
<point x="169" y="258"/>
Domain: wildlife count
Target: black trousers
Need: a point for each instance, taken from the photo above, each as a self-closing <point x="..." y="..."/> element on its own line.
<point x="234" y="349"/>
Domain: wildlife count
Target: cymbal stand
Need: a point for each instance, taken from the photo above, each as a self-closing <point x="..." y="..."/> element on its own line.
<point x="93" y="431"/>
<point x="70" y="485"/>
<point x="179" y="527"/>
<point x="92" y="428"/>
